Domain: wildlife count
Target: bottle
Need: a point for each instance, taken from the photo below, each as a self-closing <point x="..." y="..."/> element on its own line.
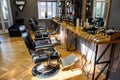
<point x="77" y="22"/>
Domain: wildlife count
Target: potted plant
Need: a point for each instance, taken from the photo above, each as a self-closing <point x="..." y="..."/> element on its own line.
<point x="46" y="14"/>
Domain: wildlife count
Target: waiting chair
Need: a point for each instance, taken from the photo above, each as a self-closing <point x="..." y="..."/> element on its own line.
<point x="14" y="29"/>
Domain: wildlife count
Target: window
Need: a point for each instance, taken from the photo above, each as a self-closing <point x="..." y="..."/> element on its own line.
<point x="99" y="8"/>
<point x="46" y="8"/>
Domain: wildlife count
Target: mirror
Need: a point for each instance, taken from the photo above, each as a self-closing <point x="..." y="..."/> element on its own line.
<point x="96" y="13"/>
<point x="20" y="4"/>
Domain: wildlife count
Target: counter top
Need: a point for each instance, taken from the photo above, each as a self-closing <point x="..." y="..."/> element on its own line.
<point x="95" y="38"/>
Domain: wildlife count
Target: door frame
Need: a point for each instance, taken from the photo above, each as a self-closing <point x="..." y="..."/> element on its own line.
<point x="4" y="30"/>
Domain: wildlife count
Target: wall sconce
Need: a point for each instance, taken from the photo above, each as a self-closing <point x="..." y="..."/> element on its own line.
<point x="20" y="4"/>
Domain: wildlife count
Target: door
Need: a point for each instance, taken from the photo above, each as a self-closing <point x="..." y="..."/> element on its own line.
<point x="5" y="16"/>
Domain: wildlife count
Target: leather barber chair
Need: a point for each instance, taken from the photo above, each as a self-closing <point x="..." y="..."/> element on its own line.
<point x="39" y="31"/>
<point x="38" y="43"/>
<point x="91" y="21"/>
<point x="41" y="34"/>
<point x="42" y="57"/>
<point x="34" y="22"/>
<point x="100" y="22"/>
<point x="36" y="27"/>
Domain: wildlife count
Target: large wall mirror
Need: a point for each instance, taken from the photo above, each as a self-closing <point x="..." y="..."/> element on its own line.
<point x="96" y="13"/>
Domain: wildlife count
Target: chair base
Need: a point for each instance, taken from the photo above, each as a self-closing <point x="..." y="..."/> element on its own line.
<point x="41" y="71"/>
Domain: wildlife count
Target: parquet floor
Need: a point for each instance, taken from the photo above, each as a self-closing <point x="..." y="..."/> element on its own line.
<point x="16" y="63"/>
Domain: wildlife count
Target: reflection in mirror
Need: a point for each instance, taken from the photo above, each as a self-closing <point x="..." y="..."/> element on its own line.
<point x="100" y="8"/>
<point x="96" y="13"/>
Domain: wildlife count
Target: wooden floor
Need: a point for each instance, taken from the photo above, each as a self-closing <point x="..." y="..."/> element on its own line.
<point x="16" y="63"/>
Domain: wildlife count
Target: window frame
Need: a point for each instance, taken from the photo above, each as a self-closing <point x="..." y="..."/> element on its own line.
<point x="46" y="9"/>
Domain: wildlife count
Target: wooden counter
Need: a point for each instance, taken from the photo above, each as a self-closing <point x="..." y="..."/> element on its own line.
<point x="96" y="38"/>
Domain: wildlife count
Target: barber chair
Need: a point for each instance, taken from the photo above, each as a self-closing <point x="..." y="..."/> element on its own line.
<point x="38" y="43"/>
<point x="100" y="22"/>
<point x="35" y="21"/>
<point x="90" y="21"/>
<point x="43" y="33"/>
<point x="42" y="57"/>
<point x="36" y="27"/>
<point x="39" y="31"/>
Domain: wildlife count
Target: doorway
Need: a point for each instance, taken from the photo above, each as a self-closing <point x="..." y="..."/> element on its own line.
<point x="5" y="16"/>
